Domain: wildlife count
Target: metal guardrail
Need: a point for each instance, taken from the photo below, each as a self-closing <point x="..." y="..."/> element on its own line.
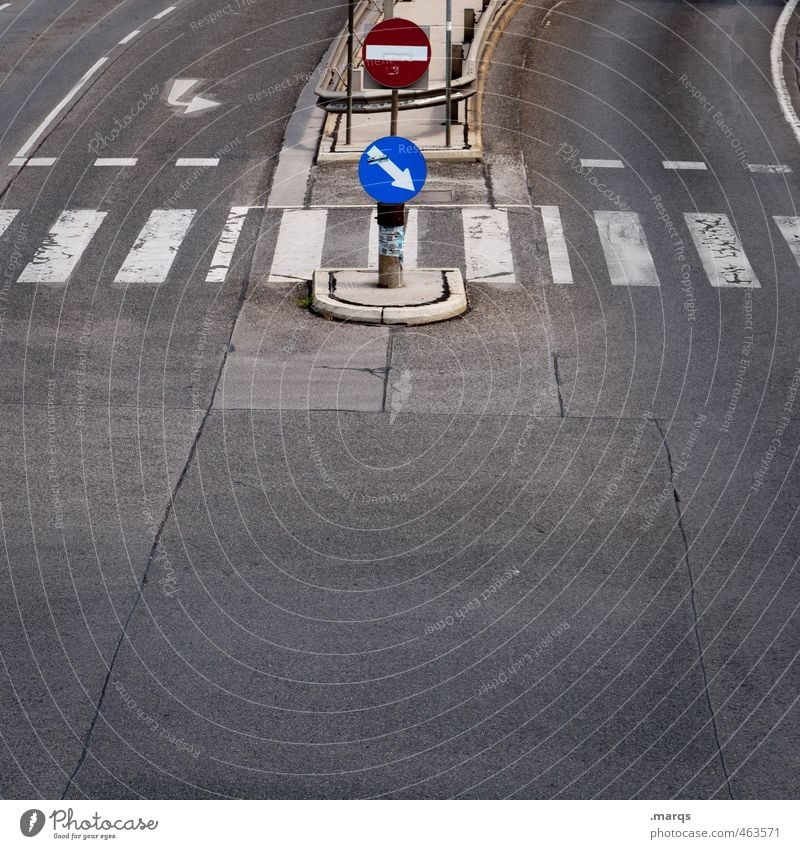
<point x="332" y="92"/>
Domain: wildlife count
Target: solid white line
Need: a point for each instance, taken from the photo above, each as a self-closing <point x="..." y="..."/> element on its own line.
<point x="130" y="36"/>
<point x="301" y="238"/>
<point x="776" y="66"/>
<point x="61" y="251"/>
<point x="789" y="225"/>
<point x="163" y="13"/>
<point x="410" y="251"/>
<point x="156" y="246"/>
<point x="628" y="257"/>
<point x="560" y="268"/>
<point x="115" y="163"/>
<point x="487" y="246"/>
<point x="770" y="169"/>
<point x="190" y="162"/>
<point x="721" y="252"/>
<point x="6" y="217"/>
<point x="39" y="131"/>
<point x="678" y="165"/>
<point x="227" y="244"/>
<point x="602" y="163"/>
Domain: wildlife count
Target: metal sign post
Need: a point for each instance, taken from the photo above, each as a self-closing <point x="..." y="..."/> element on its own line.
<point x="448" y="70"/>
<point x="350" y="39"/>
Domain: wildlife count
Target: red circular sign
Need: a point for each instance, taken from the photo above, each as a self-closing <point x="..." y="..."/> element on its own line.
<point x="396" y="53"/>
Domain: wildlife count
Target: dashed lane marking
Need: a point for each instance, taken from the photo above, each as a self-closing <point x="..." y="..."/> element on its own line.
<point x="6" y="217"/>
<point x="628" y="257"/>
<point x="226" y="248"/>
<point x="130" y="36"/>
<point x="680" y="165"/>
<point x="410" y="250"/>
<point x="4" y="6"/>
<point x="34" y="162"/>
<point x="560" y="267"/>
<point x="301" y="239"/>
<point x="769" y="169"/>
<point x="110" y="162"/>
<point x="789" y="225"/>
<point x="155" y="249"/>
<point x="163" y="13"/>
<point x="197" y="162"/>
<point x="61" y="251"/>
<point x="602" y="163"/>
<point x="721" y="252"/>
<point x="487" y="247"/>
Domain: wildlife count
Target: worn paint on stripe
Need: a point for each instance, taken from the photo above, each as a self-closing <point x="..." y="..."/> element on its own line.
<point x="678" y="165"/>
<point x="195" y="162"/>
<point x="107" y="162"/>
<point x="487" y="246"/>
<point x="789" y="225"/>
<point x="628" y="257"/>
<point x="411" y="245"/>
<point x="602" y="163"/>
<point x="35" y="162"/>
<point x="721" y="252"/>
<point x="770" y="169"/>
<point x="155" y="249"/>
<point x="6" y="217"/>
<point x="557" y="251"/>
<point x="228" y="241"/>
<point x="61" y="251"/>
<point x="301" y="238"/>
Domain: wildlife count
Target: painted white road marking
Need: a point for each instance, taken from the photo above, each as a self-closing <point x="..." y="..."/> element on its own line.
<point x="628" y="257"/>
<point x="770" y="169"/>
<point x="62" y="104"/>
<point x="197" y="162"/>
<point x="776" y="67"/>
<point x="4" y="6"/>
<point x="130" y="36"/>
<point x="6" y="217"/>
<point x="115" y="163"/>
<point x="196" y="104"/>
<point x="560" y="267"/>
<point x="410" y="251"/>
<point x="789" y="225"/>
<point x="679" y="165"/>
<point x="228" y="241"/>
<point x="62" y="249"/>
<point x="33" y="162"/>
<point x="163" y="13"/>
<point x="301" y="238"/>
<point x="487" y="246"/>
<point x="155" y="249"/>
<point x="721" y="252"/>
<point x="602" y="163"/>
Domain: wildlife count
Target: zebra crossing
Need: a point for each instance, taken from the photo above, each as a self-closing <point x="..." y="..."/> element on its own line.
<point x="305" y="237"/>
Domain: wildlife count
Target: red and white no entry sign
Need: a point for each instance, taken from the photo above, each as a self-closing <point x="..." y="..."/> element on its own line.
<point x="396" y="53"/>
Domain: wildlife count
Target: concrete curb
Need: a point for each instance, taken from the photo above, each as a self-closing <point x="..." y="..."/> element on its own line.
<point x="453" y="303"/>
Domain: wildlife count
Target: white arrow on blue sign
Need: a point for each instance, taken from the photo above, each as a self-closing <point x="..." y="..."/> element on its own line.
<point x="392" y="170"/>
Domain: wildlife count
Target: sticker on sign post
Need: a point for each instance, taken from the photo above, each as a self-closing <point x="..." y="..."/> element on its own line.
<point x="392" y="170"/>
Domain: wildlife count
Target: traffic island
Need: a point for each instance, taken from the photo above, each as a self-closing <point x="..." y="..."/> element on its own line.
<point x="352" y="294"/>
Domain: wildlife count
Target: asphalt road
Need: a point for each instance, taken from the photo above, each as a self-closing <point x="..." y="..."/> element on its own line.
<point x="547" y="550"/>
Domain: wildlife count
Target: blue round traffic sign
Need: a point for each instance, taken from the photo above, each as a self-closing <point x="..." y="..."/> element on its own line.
<point x="392" y="170"/>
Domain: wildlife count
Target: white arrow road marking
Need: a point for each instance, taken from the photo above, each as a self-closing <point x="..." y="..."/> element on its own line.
<point x="155" y="249"/>
<point x="401" y="179"/>
<point x="560" y="267"/>
<point x="487" y="247"/>
<point x="410" y="249"/>
<point x="62" y="249"/>
<point x="301" y="239"/>
<point x="227" y="244"/>
<point x="628" y="258"/>
<point x="6" y="217"/>
<point x="721" y="252"/>
<point x="196" y="104"/>
<point x="789" y="225"/>
<point x="39" y="131"/>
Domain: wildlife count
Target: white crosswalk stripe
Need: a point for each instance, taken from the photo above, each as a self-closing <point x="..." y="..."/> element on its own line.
<point x="6" y="217"/>
<point x="301" y="239"/>
<point x="560" y="268"/>
<point x="789" y="225"/>
<point x="61" y="251"/>
<point x="721" y="252"/>
<point x="228" y="241"/>
<point x="155" y="249"/>
<point x="487" y="247"/>
<point x="628" y="257"/>
<point x="410" y="251"/>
